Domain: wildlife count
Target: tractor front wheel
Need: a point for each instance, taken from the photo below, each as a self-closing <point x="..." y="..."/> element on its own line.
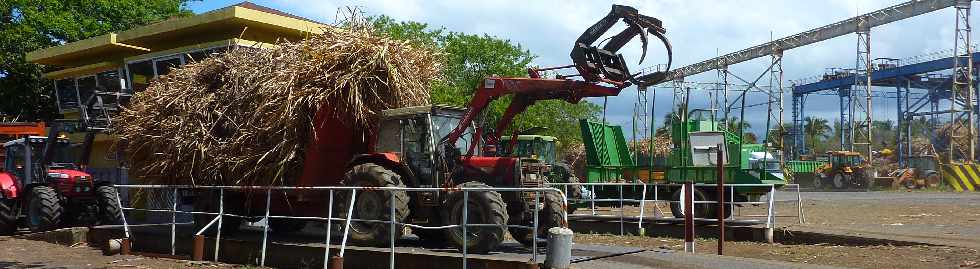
<point x="841" y="181"/>
<point x="8" y="216"/>
<point x="483" y="207"/>
<point x="44" y="211"/>
<point x="550" y="216"/>
<point x="375" y="204"/>
<point x="108" y="200"/>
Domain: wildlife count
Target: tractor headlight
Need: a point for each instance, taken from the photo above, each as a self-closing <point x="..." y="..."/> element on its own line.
<point x="58" y="175"/>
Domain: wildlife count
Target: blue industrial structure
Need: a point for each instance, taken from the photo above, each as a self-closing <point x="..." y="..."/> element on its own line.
<point x="904" y="77"/>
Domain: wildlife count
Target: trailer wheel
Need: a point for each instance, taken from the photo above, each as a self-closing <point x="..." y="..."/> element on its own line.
<point x="374" y="204"/>
<point x="8" y="217"/>
<point x="819" y="182"/>
<point x="109" y="211"/>
<point x="550" y="216"/>
<point x="45" y="210"/>
<point x="484" y="207"/>
<point x="700" y="210"/>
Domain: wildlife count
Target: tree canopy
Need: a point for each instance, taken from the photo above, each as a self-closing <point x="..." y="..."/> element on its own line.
<point x="471" y="57"/>
<point x="27" y="25"/>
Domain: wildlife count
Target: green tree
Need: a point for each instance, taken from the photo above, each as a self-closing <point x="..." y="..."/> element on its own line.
<point x="817" y="131"/>
<point x="27" y="25"/>
<point x="470" y="58"/>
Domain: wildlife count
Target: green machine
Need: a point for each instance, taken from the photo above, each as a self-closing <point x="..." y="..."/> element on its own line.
<point x="543" y="149"/>
<point x="692" y="158"/>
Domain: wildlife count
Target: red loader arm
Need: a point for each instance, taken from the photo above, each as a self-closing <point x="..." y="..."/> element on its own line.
<point x="603" y="72"/>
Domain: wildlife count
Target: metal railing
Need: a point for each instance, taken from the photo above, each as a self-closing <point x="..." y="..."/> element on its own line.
<point x="346" y="220"/>
<point x="768" y="219"/>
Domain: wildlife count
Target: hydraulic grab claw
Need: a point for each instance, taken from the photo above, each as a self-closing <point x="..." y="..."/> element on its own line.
<point x="606" y="64"/>
<point x="603" y="72"/>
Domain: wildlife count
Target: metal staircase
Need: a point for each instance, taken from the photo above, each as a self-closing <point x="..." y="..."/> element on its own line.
<point x="97" y="111"/>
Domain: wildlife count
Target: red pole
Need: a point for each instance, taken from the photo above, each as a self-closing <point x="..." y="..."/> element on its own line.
<point x="689" y="217"/>
<point x="721" y="200"/>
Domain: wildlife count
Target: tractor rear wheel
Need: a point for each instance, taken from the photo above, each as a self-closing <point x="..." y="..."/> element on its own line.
<point x="8" y="217"/>
<point x="375" y="204"/>
<point x="483" y="207"/>
<point x="108" y="201"/>
<point x="550" y="216"/>
<point x="574" y="192"/>
<point x="44" y="211"/>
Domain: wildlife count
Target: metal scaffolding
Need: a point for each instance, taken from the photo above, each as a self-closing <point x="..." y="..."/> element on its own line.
<point x="961" y="132"/>
<point x="862" y="115"/>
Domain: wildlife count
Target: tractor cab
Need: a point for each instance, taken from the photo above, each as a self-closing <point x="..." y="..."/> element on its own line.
<point x="845" y="159"/>
<point x="413" y="134"/>
<point x="28" y="153"/>
<point x="536" y="147"/>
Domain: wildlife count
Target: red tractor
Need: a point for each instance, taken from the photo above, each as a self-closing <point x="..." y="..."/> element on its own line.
<point x="441" y="146"/>
<point x="42" y="185"/>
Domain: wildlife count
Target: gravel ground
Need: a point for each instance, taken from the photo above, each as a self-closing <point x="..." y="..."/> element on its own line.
<point x="20" y="253"/>
<point x="949" y="221"/>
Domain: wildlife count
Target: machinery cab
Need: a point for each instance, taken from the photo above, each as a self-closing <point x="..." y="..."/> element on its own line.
<point x="27" y="154"/>
<point x="540" y="148"/>
<point x="845" y="160"/>
<point x="413" y="135"/>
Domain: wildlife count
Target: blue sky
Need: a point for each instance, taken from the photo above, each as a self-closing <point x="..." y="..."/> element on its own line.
<point x="698" y="29"/>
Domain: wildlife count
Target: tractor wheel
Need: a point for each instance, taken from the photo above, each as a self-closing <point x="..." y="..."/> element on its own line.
<point x="108" y="201"/>
<point x="44" y="211"/>
<point x="286" y="226"/>
<point x="8" y="217"/>
<point x="700" y="210"/>
<point x="375" y="204"/>
<point x="819" y="182"/>
<point x="434" y="237"/>
<point x="483" y="207"/>
<point x="840" y="181"/>
<point x="574" y="192"/>
<point x="550" y="216"/>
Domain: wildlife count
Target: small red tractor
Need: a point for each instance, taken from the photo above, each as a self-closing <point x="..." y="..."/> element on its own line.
<point x="442" y="146"/>
<point x="42" y="186"/>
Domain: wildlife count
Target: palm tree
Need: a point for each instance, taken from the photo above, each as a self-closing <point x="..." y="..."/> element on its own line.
<point x="816" y="127"/>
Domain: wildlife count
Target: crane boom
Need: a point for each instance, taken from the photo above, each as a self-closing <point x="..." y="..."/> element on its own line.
<point x="875" y="18"/>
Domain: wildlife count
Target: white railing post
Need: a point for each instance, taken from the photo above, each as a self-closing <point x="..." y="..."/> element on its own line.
<point x="643" y="199"/>
<point x="466" y="201"/>
<point x="221" y="218"/>
<point x="122" y="213"/>
<point x="326" y="242"/>
<point x="592" y="201"/>
<point x="391" y="205"/>
<point x="622" y="210"/>
<point x="173" y="225"/>
<point x="534" y="230"/>
<point x="265" y="230"/>
<point x="799" y="206"/>
<point x="350" y="213"/>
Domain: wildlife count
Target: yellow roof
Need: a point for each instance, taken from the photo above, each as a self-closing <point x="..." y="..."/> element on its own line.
<point x="245" y="21"/>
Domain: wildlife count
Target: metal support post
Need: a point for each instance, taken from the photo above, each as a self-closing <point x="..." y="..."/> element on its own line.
<point x="534" y="229"/>
<point x="173" y="225"/>
<point x="689" y="217"/>
<point x="861" y="140"/>
<point x="721" y="198"/>
<point x="221" y="218"/>
<point x="621" y="213"/>
<point x="466" y="205"/>
<point x="265" y="229"/>
<point x="391" y="212"/>
<point x="326" y="241"/>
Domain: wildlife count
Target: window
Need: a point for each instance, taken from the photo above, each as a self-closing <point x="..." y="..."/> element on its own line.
<point x="109" y="81"/>
<point x="140" y="74"/>
<point x="164" y="66"/>
<point x="66" y="94"/>
<point x="86" y="88"/>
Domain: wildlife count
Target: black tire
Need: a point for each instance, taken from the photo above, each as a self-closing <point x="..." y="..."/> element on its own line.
<point x="431" y="236"/>
<point x="286" y="226"/>
<point x="108" y="201"/>
<point x="819" y="182"/>
<point x="375" y="205"/>
<point x="840" y="181"/>
<point x="44" y="211"/>
<point x="8" y="217"/>
<point x="700" y="210"/>
<point x="574" y="191"/>
<point x="550" y="216"/>
<point x="208" y="201"/>
<point x="484" y="207"/>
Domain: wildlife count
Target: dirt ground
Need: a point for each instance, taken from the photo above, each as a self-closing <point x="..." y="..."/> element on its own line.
<point x="949" y="222"/>
<point x="20" y="253"/>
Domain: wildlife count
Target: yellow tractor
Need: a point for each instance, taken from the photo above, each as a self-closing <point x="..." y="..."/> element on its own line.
<point x="845" y="169"/>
